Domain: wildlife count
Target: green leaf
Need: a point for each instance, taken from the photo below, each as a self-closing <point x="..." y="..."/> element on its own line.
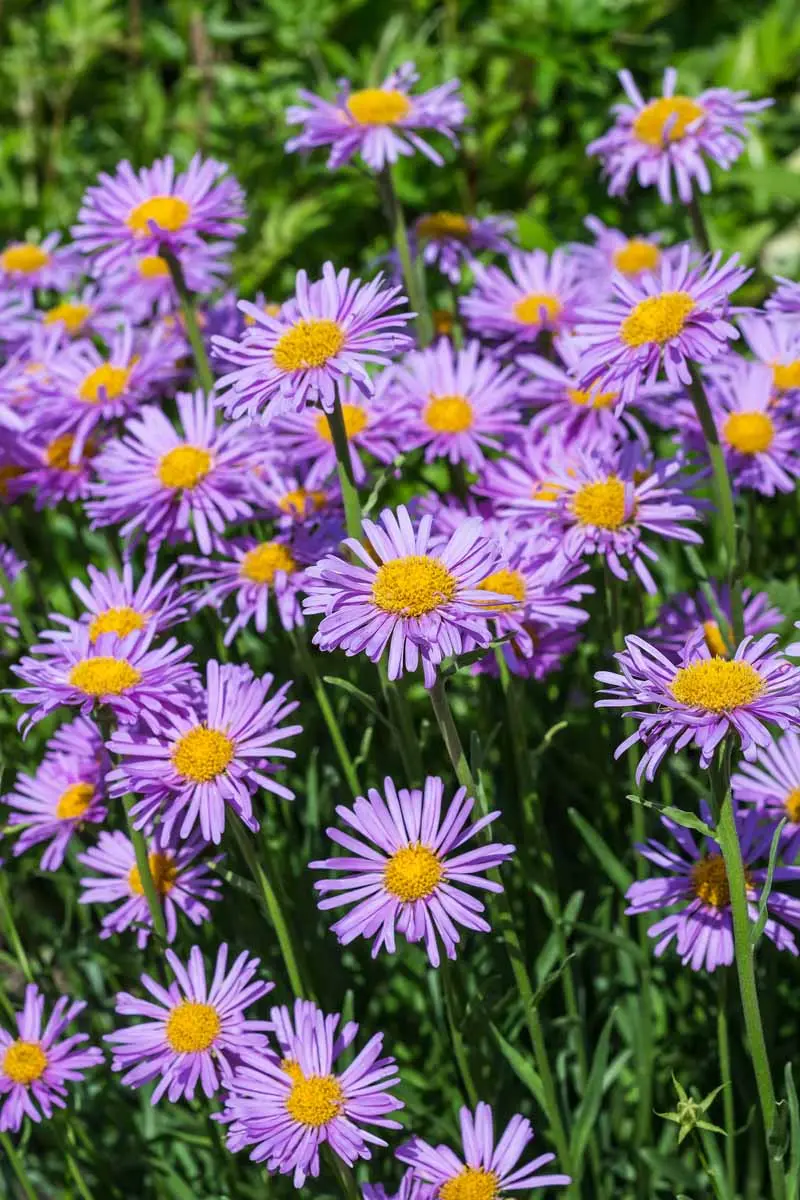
<point x="619" y="875"/>
<point x="589" y="1107"/>
<point x="793" y="1174"/>
<point x="522" y="1067"/>
<point x="763" y="912"/>
<point x="362" y="697"/>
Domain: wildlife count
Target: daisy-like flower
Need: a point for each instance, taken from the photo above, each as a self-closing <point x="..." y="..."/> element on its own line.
<point x="697" y="882"/>
<point x="543" y="293"/>
<point x="286" y="1110"/>
<point x="80" y="738"/>
<point x="134" y="213"/>
<point x="194" y="1032"/>
<point x="697" y="698"/>
<point x="786" y="297"/>
<point x="331" y="330"/>
<point x="24" y="376"/>
<point x="682" y="616"/>
<point x="447" y="239"/>
<point x="216" y="753"/>
<point x="92" y="310"/>
<point x="56" y="466"/>
<point x="173" y="485"/>
<point x="406" y="871"/>
<point x="674" y="135"/>
<point x="181" y="881"/>
<point x="488" y="1169"/>
<point x="772" y="785"/>
<point x="144" y="284"/>
<point x="775" y="341"/>
<point x="66" y="793"/>
<point x="291" y="497"/>
<point x="456" y="403"/>
<point x="410" y="1188"/>
<point x="136" y="681"/>
<point x="538" y="653"/>
<point x="667" y="320"/>
<point x="25" y="266"/>
<point x="419" y="600"/>
<point x="115" y="604"/>
<point x="761" y="443"/>
<point x="381" y="124"/>
<point x="37" y="1064"/>
<point x="615" y="251"/>
<point x="517" y="483"/>
<point x="16" y="318"/>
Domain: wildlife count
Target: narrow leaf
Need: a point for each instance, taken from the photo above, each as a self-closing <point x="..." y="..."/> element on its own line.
<point x="763" y="912"/>
<point x="589" y="1107"/>
<point x="522" y="1067"/>
<point x="619" y="874"/>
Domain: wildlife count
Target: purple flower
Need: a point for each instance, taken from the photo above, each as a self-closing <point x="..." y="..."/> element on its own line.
<point x="410" y="1188"/>
<point x="673" y="135"/>
<point x="517" y="484"/>
<point x="25" y="266"/>
<point x="16" y="318"/>
<point x="418" y="601"/>
<point x="133" y="213"/>
<point x="328" y="333"/>
<point x="697" y="882"/>
<point x="181" y="882"/>
<point x="66" y="793"/>
<point x="194" y="1031"/>
<point x="772" y="784"/>
<point x="697" y="699"/>
<point x="144" y="285"/>
<point x="286" y="1110"/>
<point x="115" y="604"/>
<point x="400" y="874"/>
<point x="448" y="240"/>
<point x="548" y="649"/>
<point x="543" y="293"/>
<point x="37" y="1064"/>
<point x="292" y="497"/>
<point x="174" y="484"/>
<point x="206" y="756"/>
<point x="488" y="1168"/>
<point x="669" y="319"/>
<point x="682" y="616"/>
<point x="786" y="297"/>
<point x="381" y="124"/>
<point x="56" y="467"/>
<point x="775" y="341"/>
<point x="92" y="310"/>
<point x="614" y="251"/>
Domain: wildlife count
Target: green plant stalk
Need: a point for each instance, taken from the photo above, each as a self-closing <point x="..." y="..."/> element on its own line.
<point x="202" y="367"/>
<point x="456" y="1036"/>
<point x="455" y="751"/>
<point x="18" y="1167"/>
<point x="698" y="223"/>
<point x="344" y="464"/>
<point x="343" y="1173"/>
<point x="728" y="838"/>
<point x="726" y="1078"/>
<point x="11" y="932"/>
<point x="145" y="874"/>
<point x="414" y="280"/>
<point x="329" y="716"/>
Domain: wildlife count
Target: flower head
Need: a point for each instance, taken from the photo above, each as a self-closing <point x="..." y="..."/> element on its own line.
<point x="145" y="287"/>
<point x="775" y="341"/>
<point x="614" y="251"/>
<point x="55" y="466"/>
<point x="543" y="293"/>
<point x="761" y="442"/>
<point x="115" y="604"/>
<point x="448" y="239"/>
<point x="682" y="616"/>
<point x="772" y="785"/>
<point x="66" y="793"/>
<point x="26" y="266"/>
<point x="517" y="483"/>
<point x="786" y="297"/>
<point x="92" y="310"/>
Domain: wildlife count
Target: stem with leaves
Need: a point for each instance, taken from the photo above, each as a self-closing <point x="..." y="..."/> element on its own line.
<point x="411" y="268"/>
<point x="18" y="1167"/>
<point x="724" y="1046"/>
<point x="326" y="708"/>
<point x="205" y="375"/>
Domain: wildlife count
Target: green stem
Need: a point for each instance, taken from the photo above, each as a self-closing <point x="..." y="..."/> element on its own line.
<point x="344" y="464"/>
<point x="325" y="707"/>
<point x="10" y="930"/>
<point x="201" y="364"/>
<point x="18" y="1167"/>
<point x="456" y="1036"/>
<point x="412" y="272"/>
<point x="724" y="1045"/>
<point x="145" y="874"/>
<point x="343" y="1173"/>
<point x="699" y="227"/>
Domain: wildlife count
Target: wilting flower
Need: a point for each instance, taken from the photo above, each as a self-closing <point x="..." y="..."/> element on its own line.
<point x="25" y="266"/>
<point x="287" y="1109"/>
<point x="37" y="1064"/>
<point x="697" y="882"/>
<point x="488" y="1168"/>
<point x="615" y="251"/>
<point x="448" y="239"/>
<point x="193" y="1032"/>
<point x="772" y="784"/>
<point x="182" y="883"/>
<point x="683" y="615"/>
<point x="66" y="793"/>
<point x="216" y="752"/>
<point x="775" y="341"/>
<point x="674" y="135"/>
<point x="406" y="871"/>
<point x="698" y="698"/>
<point x="332" y="329"/>
<point x="382" y="124"/>
<point x="543" y="293"/>
<point x="115" y="604"/>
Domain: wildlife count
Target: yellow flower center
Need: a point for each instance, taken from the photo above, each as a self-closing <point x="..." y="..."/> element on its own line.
<point x="75" y="801"/>
<point x="163" y="870"/>
<point x="261" y="564"/>
<point x="104" y="676"/>
<point x="650" y="125"/>
<point x="355" y="419"/>
<point x="635" y="256"/>
<point x="184" y="467"/>
<point x="592" y="399"/>
<point x="299" y="501"/>
<point x="308" y="344"/>
<point x="57" y="453"/>
<point x="448" y="414"/>
<point x="202" y="754"/>
<point x="153" y="266"/>
<point x="473" y="1183"/>
<point x="536" y="308"/>
<point x="792" y="805"/>
<point x="714" y="639"/>
<point x="657" y="320"/>
<point x="291" y="1068"/>
<point x="378" y="106"/>
<point x="24" y="1062"/>
<point x="192" y="1027"/>
<point x="717" y="685"/>
<point x="72" y="315"/>
<point x="507" y="583"/>
<point x="444" y="225"/>
<point x="412" y="873"/>
<point x="749" y="432"/>
<point x="169" y="213"/>
<point x="120" y="621"/>
<point x="25" y="258"/>
<point x="113" y="380"/>
<point x="413" y="586"/>
<point x="786" y="376"/>
<point x="601" y="504"/>
<point x="710" y="881"/>
<point x="443" y="321"/>
<point x="315" y="1100"/>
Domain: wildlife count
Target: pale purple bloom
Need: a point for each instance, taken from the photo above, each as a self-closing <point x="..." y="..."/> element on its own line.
<point x="330" y="331"/>
<point x="772" y="784"/>
<point x="23" y="378"/>
<point x="194" y="1032"/>
<point x="674" y="134"/>
<point x="38" y="1063"/>
<point x="614" y="251"/>
<point x="25" y="266"/>
<point x="685" y="614"/>
<point x="16" y="318"/>
<point x="696" y="698"/>
<point x="381" y="124"/>
<point x="55" y="466"/>
<point x="448" y="240"/>
<point x="410" y="1188"/>
<point x="116" y="604"/>
<point x="92" y="310"/>
<point x="405" y="871"/>
<point x="66" y="793"/>
<point x="517" y="483"/>
<point x="542" y="293"/>
<point x="697" y="882"/>
<point x="761" y="442"/>
<point x="80" y="737"/>
<point x="290" y="496"/>
<point x="786" y="297"/>
<point x="775" y="341"/>
<point x="549" y="646"/>
<point x="144" y="285"/>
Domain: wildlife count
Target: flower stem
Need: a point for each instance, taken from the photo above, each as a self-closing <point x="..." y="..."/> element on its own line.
<point x="329" y="716"/>
<point x="145" y="874"/>
<point x="201" y="364"/>
<point x="18" y="1167"/>
<point x="456" y="1035"/>
<point x="724" y="1045"/>
<point x="699" y="227"/>
<point x="414" y="280"/>
<point x="352" y="504"/>
<point x="11" y="932"/>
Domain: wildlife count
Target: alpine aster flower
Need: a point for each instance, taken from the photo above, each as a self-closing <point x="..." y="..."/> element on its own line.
<point x="772" y="784"/>
<point x="517" y="484"/>
<point x="55" y="466"/>
<point x="410" y="1188"/>
<point x="115" y="604"/>
<point x="697" y="698"/>
<point x="697" y="882"/>
<point x="291" y="497"/>
<point x="543" y="293"/>
<point x="673" y="135"/>
<point x="144" y="285"/>
<point x="15" y="318"/>
<point x="66" y="793"/>
<point x="786" y="297"/>
<point x="615" y="251"/>
<point x="328" y="333"/>
<point x="488" y="1168"/>
<point x="381" y="124"/>
<point x="448" y="239"/>
<point x="92" y="310"/>
<point x="761" y="444"/>
<point x="194" y="1032"/>
<point x="682" y="616"/>
<point x="25" y="266"/>
<point x="406" y="871"/>
<point x="775" y="341"/>
<point x="37" y="1064"/>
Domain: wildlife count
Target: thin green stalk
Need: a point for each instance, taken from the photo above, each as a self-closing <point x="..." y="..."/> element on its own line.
<point x="415" y="285"/>
<point x="344" y="464"/>
<point x="18" y="1167"/>
<point x="10" y="930"/>
<point x="456" y="1036"/>
<point x="201" y="364"/>
<point x="344" y="1174"/>
<point x="728" y="838"/>
<point x="724" y="1045"/>
<point x="398" y="707"/>
<point x="145" y="874"/>
<point x="73" y="1167"/>
<point x="31" y="561"/>
<point x="699" y="227"/>
<point x="329" y="716"/>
